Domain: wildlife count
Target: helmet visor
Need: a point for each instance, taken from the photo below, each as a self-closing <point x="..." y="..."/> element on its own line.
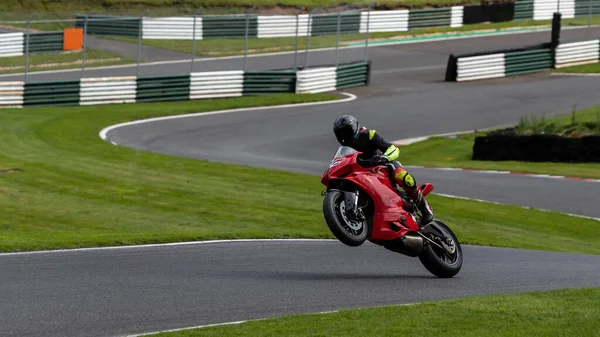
<point x="344" y="135"/>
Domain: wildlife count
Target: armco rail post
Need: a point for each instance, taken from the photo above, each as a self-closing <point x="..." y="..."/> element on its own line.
<point x="452" y="68"/>
<point x="27" y="44"/>
<point x="297" y="28"/>
<point x="337" y="36"/>
<point x="139" y="47"/>
<point x="246" y="37"/>
<point x="199" y="11"/>
<point x="555" y="40"/>
<point x="308" y="32"/>
<point x="85" y="27"/>
<point x="369" y="67"/>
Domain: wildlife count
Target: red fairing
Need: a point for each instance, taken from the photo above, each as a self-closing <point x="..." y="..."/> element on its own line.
<point x="375" y="182"/>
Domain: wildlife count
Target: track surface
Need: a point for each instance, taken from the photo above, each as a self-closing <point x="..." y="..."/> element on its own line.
<point x="116" y="292"/>
<point x="119" y="292"/>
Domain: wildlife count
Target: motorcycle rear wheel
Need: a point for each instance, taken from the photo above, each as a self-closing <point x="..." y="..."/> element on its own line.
<point x="351" y="233"/>
<point x="437" y="262"/>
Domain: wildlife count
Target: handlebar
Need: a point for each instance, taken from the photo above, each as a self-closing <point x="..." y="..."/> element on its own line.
<point x="367" y="162"/>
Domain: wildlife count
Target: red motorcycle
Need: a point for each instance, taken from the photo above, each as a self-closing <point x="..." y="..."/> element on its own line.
<point x="363" y="202"/>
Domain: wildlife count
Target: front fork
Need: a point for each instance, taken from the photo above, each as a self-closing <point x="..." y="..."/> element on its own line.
<point x="351" y="204"/>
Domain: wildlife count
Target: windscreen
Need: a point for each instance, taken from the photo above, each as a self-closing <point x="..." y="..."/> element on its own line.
<point x="343" y="151"/>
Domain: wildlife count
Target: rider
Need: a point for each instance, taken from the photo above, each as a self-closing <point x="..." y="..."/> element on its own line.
<point x="349" y="133"/>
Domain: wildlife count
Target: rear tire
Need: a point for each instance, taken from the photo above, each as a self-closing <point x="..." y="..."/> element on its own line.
<point x="437" y="261"/>
<point x="351" y="233"/>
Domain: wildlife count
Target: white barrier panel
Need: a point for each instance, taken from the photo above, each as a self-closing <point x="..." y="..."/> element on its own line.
<point x="316" y="80"/>
<point x="216" y="84"/>
<point x="456" y="19"/>
<point x="11" y="94"/>
<point x="175" y="28"/>
<point x="384" y="21"/>
<point x="480" y="67"/>
<point x="282" y="25"/>
<point x="577" y="53"/>
<point x="545" y="9"/>
<point x="11" y="44"/>
<point x="107" y="90"/>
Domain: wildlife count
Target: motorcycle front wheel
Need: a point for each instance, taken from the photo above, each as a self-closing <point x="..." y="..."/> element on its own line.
<point x="350" y="232"/>
<point x="439" y="262"/>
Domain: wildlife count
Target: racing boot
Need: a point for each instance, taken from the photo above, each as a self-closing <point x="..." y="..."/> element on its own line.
<point x="423" y="205"/>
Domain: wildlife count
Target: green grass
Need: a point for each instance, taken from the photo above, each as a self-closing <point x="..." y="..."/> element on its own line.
<point x="75" y="190"/>
<point x="62" y="60"/>
<point x="573" y="312"/>
<point x="458" y="151"/>
<point x="580" y="69"/>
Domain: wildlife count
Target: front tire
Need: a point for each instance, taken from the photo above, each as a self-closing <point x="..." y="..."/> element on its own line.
<point x="438" y="262"/>
<point x="351" y="233"/>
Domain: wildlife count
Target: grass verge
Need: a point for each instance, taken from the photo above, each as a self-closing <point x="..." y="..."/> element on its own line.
<point x="57" y="61"/>
<point x="230" y="47"/>
<point x="580" y="69"/>
<point x="457" y="152"/>
<point x="572" y="312"/>
<point x="70" y="189"/>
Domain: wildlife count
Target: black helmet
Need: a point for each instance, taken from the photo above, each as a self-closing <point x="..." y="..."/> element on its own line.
<point x="345" y="129"/>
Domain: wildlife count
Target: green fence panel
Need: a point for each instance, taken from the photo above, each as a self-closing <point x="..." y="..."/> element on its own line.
<point x="523" y="62"/>
<point x="582" y="7"/>
<point x="269" y="82"/>
<point x="44" y="42"/>
<point x="421" y="18"/>
<point x="110" y="25"/>
<point x="62" y="93"/>
<point x="327" y="24"/>
<point x="352" y="75"/>
<point x="163" y="88"/>
<point x="222" y="26"/>
<point x="524" y="10"/>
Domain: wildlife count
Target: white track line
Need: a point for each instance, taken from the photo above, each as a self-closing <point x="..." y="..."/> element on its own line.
<point x="187" y="243"/>
<point x="524" y="207"/>
<point x="103" y="132"/>
<point x="263" y="319"/>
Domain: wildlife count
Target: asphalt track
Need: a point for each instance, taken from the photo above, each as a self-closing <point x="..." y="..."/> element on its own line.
<point x="127" y="291"/>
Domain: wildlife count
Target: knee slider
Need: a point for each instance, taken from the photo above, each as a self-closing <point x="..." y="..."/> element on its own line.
<point x="406" y="178"/>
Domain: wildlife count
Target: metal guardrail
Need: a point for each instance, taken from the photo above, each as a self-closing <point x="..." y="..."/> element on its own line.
<point x="11" y="44"/>
<point x="326" y="79"/>
<point x="544" y="9"/>
<point x="14" y="44"/>
<point x="352" y="21"/>
<point x="109" y="25"/>
<point x="46" y="42"/>
<point x="384" y="21"/>
<point x="172" y="28"/>
<point x="269" y="82"/>
<point x="352" y="75"/>
<point x="282" y="25"/>
<point x="197" y="85"/>
<point x="480" y="67"/>
<point x="568" y="54"/>
<point x="499" y="64"/>
<point x="216" y="84"/>
<point x="163" y="88"/>
<point x="528" y="61"/>
<point x="424" y="18"/>
<point x="61" y="93"/>
<point x="107" y="90"/>
<point x="316" y="80"/>
<point x="11" y="94"/>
